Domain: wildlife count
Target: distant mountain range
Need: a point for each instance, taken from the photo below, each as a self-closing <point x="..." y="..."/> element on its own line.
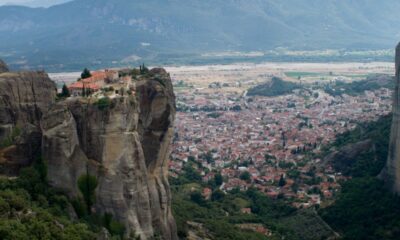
<point x="33" y="3"/>
<point x="97" y="32"/>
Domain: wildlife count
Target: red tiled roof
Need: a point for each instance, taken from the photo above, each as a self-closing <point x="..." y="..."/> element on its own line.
<point x="81" y="85"/>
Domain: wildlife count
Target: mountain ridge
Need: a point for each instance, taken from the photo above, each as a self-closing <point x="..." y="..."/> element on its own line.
<point x="161" y="29"/>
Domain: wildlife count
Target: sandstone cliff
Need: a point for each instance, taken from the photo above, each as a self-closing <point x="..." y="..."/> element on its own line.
<point x="125" y="145"/>
<point x="391" y="172"/>
<point x="24" y="97"/>
<point x="124" y="142"/>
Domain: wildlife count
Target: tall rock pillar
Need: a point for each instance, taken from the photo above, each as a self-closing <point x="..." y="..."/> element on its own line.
<point x="391" y="172"/>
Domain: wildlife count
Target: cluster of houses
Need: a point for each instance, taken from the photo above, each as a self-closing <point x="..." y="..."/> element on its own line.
<point x="99" y="80"/>
<point x="268" y="139"/>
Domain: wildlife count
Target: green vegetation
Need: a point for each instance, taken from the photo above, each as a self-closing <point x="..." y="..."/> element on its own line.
<point x="372" y="160"/>
<point x="278" y="86"/>
<point x="245" y="176"/>
<point x="87" y="184"/>
<point x="64" y="92"/>
<point x="354" y="88"/>
<point x="365" y="209"/>
<point x="85" y="74"/>
<point x="143" y="69"/>
<point x="299" y="75"/>
<point x="30" y="209"/>
<point x="214" y="115"/>
<point x="306" y="224"/>
<point x="11" y="139"/>
<point x="221" y="214"/>
<point x="104" y="103"/>
<point x="114" y="228"/>
<point x="274" y="88"/>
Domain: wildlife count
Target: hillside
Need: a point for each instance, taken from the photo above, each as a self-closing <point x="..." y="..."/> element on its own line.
<point x="276" y="86"/>
<point x="66" y="36"/>
<point x="272" y="88"/>
<point x="221" y="215"/>
<point x="364" y="209"/>
<point x="371" y="83"/>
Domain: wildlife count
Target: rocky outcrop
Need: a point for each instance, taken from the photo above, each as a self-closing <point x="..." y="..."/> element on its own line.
<point x="3" y="67"/>
<point x="391" y="172"/>
<point x="24" y="97"/>
<point x="343" y="158"/>
<point x="125" y="143"/>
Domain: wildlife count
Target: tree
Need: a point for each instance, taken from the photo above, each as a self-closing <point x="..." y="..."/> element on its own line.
<point x="217" y="195"/>
<point x="83" y="91"/>
<point x="245" y="176"/>
<point x="113" y="227"/>
<point x="197" y="197"/>
<point x="282" y="181"/>
<point x="65" y="91"/>
<point x="87" y="184"/>
<point x="143" y="69"/>
<point x="85" y="73"/>
<point x="218" y="179"/>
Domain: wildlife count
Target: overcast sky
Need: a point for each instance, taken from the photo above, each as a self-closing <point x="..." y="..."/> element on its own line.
<point x="32" y="3"/>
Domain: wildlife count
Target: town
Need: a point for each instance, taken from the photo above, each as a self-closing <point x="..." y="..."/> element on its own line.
<point x="271" y="143"/>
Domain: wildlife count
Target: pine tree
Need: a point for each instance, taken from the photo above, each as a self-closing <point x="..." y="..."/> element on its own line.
<point x="86" y="73"/>
<point x="65" y="91"/>
<point x="83" y="91"/>
<point x="282" y="181"/>
<point x="143" y="69"/>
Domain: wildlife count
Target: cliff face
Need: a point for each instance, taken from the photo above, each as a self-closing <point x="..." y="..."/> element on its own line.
<point x="391" y="172"/>
<point x="24" y="97"/>
<point x="123" y="141"/>
<point x="125" y="144"/>
<point x="3" y="67"/>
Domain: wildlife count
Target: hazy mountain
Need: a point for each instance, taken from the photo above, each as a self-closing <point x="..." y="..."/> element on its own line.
<point x="84" y="32"/>
<point x="33" y="3"/>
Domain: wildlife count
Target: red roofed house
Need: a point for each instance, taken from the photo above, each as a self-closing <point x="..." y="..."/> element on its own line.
<point x="76" y="88"/>
<point x="93" y="83"/>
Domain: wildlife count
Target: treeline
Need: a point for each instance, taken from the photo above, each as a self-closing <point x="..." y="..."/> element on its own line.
<point x="354" y="88"/>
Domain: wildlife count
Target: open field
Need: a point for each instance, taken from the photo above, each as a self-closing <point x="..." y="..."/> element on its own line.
<point x="249" y="75"/>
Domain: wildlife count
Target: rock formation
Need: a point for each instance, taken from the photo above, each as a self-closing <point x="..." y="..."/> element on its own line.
<point x="24" y="97"/>
<point x="3" y="67"/>
<point x="123" y="141"/>
<point x="391" y="172"/>
<point x="125" y="144"/>
<point x="345" y="157"/>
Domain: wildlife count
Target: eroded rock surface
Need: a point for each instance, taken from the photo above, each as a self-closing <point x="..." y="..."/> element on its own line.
<point x="344" y="158"/>
<point x="24" y="98"/>
<point x="391" y="172"/>
<point x="125" y="145"/>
